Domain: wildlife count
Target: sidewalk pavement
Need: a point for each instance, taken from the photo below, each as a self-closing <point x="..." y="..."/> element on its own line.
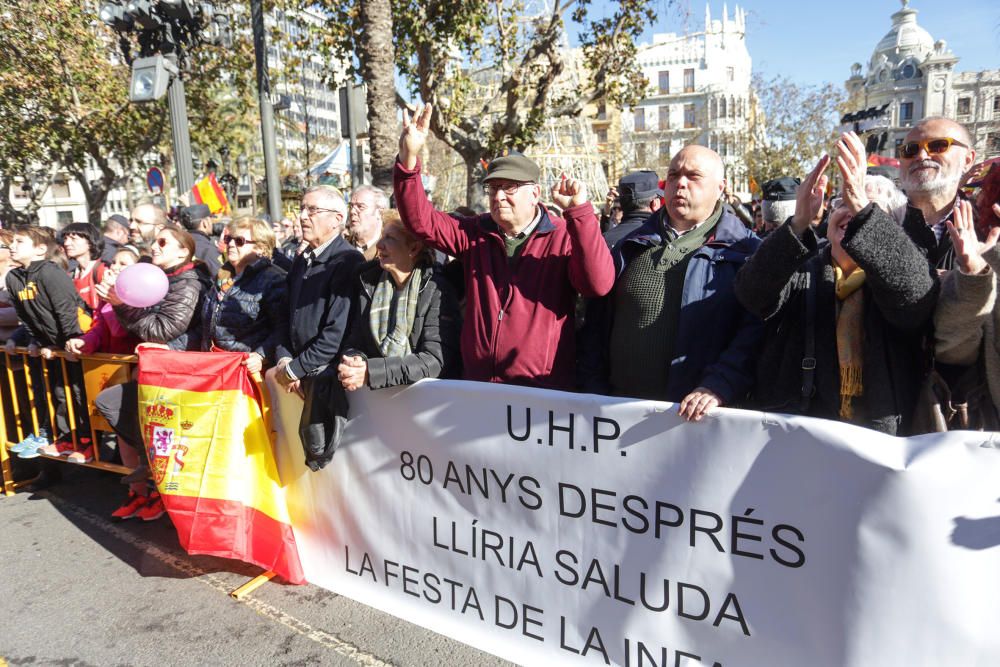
<point x="77" y="589"/>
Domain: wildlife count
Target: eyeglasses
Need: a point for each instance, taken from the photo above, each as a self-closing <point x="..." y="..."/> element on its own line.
<point x="931" y="147"/>
<point x="360" y="206"/>
<point x="491" y="189"/>
<point x="240" y="241"/>
<point x="313" y="210"/>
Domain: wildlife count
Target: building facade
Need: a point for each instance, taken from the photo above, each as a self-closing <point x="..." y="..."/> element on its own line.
<point x="910" y="76"/>
<point x="700" y="93"/>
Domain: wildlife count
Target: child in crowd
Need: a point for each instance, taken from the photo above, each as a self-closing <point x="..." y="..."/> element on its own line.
<point x="107" y="334"/>
<point x="82" y="244"/>
<point x="51" y="312"/>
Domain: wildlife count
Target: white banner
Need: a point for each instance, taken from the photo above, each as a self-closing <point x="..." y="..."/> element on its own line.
<point x="556" y="528"/>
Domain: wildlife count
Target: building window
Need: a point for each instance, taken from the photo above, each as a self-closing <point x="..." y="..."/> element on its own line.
<point x="732" y="108"/>
<point x="689" y="80"/>
<point x="664" y="118"/>
<point x="993" y="144"/>
<point x="964" y="106"/>
<point x="63" y="218"/>
<point x="602" y="111"/>
<point x="730" y="73"/>
<point x="664" y="150"/>
<point x="722" y="108"/>
<point x="996" y="107"/>
<point x="640" y="120"/>
<point x="688" y="116"/>
<point x="724" y="147"/>
<point x="905" y="113"/>
<point x="664" y="82"/>
<point x="60" y="187"/>
<point x="602" y="136"/>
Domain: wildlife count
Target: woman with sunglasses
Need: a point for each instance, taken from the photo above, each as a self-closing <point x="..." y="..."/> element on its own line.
<point x="246" y="309"/>
<point x="405" y="320"/>
<point x="845" y="320"/>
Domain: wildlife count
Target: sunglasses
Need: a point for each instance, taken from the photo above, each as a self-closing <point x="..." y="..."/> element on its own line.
<point x="931" y="147"/>
<point x="161" y="242"/>
<point x="238" y="240"/>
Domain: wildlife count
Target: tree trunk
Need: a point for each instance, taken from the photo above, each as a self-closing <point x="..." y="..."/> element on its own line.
<point x="378" y="56"/>
<point x="473" y="188"/>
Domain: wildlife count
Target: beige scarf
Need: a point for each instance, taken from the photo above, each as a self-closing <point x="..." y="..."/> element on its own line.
<point x="850" y="337"/>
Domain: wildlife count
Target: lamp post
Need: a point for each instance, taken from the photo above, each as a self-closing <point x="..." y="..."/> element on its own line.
<point x="164" y="32"/>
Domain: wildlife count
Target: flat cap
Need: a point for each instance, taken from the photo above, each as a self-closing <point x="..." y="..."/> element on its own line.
<point x="513" y="167"/>
<point x="780" y="189"/>
<point x="639" y="185"/>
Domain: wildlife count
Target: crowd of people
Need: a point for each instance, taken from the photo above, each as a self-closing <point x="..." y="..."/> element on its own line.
<point x="849" y="305"/>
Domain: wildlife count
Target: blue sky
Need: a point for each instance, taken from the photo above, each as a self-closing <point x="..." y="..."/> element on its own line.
<point x="815" y="42"/>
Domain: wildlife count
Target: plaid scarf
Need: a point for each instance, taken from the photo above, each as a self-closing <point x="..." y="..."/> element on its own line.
<point x="850" y="337"/>
<point x="397" y="342"/>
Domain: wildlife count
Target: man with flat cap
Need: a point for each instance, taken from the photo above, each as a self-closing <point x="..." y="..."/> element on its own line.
<point x="197" y="219"/>
<point x="777" y="202"/>
<point x="523" y="265"/>
<point x="639" y="196"/>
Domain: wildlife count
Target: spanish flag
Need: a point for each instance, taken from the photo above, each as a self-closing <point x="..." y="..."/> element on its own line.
<point x="211" y="457"/>
<point x="208" y="191"/>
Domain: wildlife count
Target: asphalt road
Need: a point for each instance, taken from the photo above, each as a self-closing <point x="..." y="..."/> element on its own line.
<point x="77" y="589"/>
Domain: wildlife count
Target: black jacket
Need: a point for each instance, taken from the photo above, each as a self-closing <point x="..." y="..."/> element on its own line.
<point x="173" y="321"/>
<point x="899" y="290"/>
<point x="631" y="221"/>
<point x="939" y="254"/>
<point x="433" y="339"/>
<point x="207" y="252"/>
<point x="111" y="248"/>
<point x="319" y="303"/>
<point x="251" y="315"/>
<point x="47" y="304"/>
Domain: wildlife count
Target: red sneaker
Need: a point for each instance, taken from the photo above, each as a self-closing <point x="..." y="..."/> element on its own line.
<point x="58" y="448"/>
<point x="132" y="504"/>
<point x="153" y="509"/>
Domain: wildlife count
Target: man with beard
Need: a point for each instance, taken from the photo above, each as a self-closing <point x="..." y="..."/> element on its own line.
<point x="932" y="159"/>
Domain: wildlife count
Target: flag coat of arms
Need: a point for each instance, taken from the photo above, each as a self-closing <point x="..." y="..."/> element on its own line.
<point x="211" y="457"/>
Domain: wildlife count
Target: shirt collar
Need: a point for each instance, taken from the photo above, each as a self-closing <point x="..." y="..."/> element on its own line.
<point x="527" y="230"/>
<point x="312" y="253"/>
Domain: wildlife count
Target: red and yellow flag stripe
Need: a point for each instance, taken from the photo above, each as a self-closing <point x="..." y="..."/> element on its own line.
<point x="212" y="459"/>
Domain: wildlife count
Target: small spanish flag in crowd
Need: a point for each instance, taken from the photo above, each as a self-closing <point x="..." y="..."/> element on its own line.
<point x="875" y="160"/>
<point x="211" y="457"/>
<point x="208" y="191"/>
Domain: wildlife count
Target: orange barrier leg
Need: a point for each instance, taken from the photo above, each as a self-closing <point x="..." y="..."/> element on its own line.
<point x="13" y="398"/>
<point x="31" y="390"/>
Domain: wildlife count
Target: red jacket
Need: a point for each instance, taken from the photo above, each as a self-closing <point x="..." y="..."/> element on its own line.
<point x="519" y="323"/>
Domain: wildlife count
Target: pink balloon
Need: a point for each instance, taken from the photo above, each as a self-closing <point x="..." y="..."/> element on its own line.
<point x="141" y="285"/>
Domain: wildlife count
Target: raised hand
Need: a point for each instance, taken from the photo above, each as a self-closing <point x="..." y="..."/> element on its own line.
<point x="414" y="135"/>
<point x="568" y="192"/>
<point x="968" y="249"/>
<point x="809" y="196"/>
<point x="853" y="164"/>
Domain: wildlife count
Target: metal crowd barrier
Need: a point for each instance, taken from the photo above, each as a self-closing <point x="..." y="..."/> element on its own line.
<point x="99" y="371"/>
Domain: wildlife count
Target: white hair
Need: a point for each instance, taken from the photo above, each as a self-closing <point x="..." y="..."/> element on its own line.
<point x="333" y="196"/>
<point x="890" y="198"/>
<point x="777" y="211"/>
<point x="381" y="200"/>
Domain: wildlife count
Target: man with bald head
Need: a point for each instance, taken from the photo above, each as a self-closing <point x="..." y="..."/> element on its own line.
<point x="933" y="157"/>
<point x="671" y="329"/>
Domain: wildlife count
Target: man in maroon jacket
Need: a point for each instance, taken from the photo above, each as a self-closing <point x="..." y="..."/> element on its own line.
<point x="523" y="266"/>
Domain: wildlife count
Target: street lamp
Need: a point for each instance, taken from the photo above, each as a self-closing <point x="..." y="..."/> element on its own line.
<point x="164" y="32"/>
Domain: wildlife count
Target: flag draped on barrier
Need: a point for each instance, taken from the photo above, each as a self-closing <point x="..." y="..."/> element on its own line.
<point x="211" y="457"/>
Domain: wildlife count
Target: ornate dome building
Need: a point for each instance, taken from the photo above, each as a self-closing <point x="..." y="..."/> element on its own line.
<point x="911" y="76"/>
